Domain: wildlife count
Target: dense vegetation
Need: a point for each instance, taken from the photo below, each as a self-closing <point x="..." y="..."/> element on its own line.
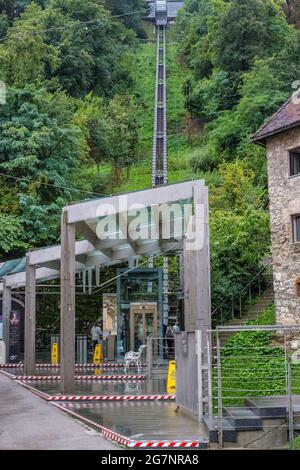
<point x="79" y="113"/>
<point x="69" y="71"/>
<point x="254" y="364"/>
<point x="242" y="58"/>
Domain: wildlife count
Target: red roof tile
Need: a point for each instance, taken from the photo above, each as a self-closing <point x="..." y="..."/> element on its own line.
<point x="286" y="117"/>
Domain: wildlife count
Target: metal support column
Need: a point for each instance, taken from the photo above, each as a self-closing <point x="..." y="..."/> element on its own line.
<point x="6" y="302"/>
<point x="67" y="308"/>
<point x="30" y="319"/>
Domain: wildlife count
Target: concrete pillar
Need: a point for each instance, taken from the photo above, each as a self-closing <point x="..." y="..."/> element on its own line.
<point x="6" y="308"/>
<point x="67" y="308"/>
<point x="192" y="349"/>
<point x="30" y="319"/>
<point x="197" y="297"/>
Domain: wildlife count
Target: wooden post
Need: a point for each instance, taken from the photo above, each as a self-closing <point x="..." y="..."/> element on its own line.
<point x="6" y="301"/>
<point x="30" y="314"/>
<point x="67" y="308"/>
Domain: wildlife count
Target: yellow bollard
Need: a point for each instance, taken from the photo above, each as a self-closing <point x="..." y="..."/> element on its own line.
<point x="98" y="354"/>
<point x="171" y="383"/>
<point x="54" y="354"/>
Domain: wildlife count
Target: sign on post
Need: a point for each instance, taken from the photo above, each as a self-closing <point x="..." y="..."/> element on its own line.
<point x="14" y="336"/>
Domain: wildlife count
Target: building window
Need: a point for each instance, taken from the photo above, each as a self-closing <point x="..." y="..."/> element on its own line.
<point x="296" y="228"/>
<point x="294" y="162"/>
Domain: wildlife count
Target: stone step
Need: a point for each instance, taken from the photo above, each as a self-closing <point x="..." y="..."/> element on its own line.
<point x="243" y="419"/>
<point x="212" y="424"/>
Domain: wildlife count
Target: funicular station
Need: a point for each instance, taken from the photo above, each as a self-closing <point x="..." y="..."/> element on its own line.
<point x="172" y="218"/>
<point x="134" y="403"/>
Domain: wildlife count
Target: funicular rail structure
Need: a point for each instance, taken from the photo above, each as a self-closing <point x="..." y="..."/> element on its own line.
<point x="160" y="152"/>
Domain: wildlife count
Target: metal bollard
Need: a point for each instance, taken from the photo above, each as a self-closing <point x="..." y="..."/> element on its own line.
<point x="81" y="349"/>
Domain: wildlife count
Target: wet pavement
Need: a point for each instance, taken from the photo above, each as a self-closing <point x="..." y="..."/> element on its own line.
<point x="84" y="371"/>
<point x="29" y="423"/>
<point x="107" y="387"/>
<point x="143" y="421"/>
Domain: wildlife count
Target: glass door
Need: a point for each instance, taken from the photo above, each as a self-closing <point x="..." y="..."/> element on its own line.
<point x="143" y="323"/>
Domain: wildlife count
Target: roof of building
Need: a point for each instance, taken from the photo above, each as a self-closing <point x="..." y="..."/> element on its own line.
<point x="287" y="117"/>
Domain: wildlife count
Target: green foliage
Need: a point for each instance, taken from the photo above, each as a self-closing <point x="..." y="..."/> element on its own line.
<point x="24" y="57"/>
<point x="297" y="443"/>
<point x="248" y="29"/>
<point x="252" y="366"/>
<point x="248" y="363"/>
<point x="11" y="234"/>
<point x="267" y="317"/>
<point x="54" y="51"/>
<point x="239" y="231"/>
<point x="136" y="8"/>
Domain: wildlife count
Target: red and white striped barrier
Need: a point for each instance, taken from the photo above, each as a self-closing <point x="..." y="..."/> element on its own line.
<point x="164" y="444"/>
<point x="109" y="397"/>
<point x="78" y="377"/>
<point x="12" y="366"/>
<point x="129" y="443"/>
<point x="105" y="365"/>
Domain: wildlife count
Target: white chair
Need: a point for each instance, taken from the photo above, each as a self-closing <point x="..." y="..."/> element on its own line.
<point x="134" y="357"/>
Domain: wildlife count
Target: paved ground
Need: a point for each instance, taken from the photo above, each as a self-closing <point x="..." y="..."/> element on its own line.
<point x="28" y="422"/>
<point x="142" y="420"/>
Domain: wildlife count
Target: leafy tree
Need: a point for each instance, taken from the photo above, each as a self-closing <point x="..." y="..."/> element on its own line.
<point x="40" y="145"/>
<point x="11" y="235"/>
<point x="248" y="29"/>
<point x="122" y="133"/>
<point x="24" y="56"/>
<point x="130" y="13"/>
<point x="95" y="51"/>
<point x="92" y="119"/>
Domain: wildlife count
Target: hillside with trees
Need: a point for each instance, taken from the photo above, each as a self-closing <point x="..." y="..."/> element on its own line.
<point x="78" y="119"/>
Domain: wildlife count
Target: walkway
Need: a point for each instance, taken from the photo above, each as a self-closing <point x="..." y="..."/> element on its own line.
<point x="28" y="422"/>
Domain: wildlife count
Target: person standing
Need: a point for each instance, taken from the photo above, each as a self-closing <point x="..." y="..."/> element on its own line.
<point x="96" y="334"/>
<point x="176" y="328"/>
<point x="170" y="342"/>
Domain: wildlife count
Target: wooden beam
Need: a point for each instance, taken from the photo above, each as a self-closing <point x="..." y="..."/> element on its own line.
<point x="67" y="308"/>
<point x="30" y="319"/>
<point x="115" y="204"/>
<point x="123" y="225"/>
<point x="39" y="257"/>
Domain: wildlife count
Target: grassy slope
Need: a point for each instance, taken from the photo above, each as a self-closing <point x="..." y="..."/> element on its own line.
<point x="178" y="148"/>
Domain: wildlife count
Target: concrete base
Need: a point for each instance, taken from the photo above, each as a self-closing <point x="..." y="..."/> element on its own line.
<point x="272" y="436"/>
<point x="27" y="422"/>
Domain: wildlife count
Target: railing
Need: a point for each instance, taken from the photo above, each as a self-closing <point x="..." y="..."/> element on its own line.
<point x="243" y="299"/>
<point x="256" y="386"/>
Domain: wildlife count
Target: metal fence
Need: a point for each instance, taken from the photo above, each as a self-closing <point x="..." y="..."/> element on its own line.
<point x="255" y="386"/>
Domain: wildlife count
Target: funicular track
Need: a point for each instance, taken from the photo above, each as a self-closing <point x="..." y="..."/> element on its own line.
<point x="159" y="160"/>
<point x="160" y="154"/>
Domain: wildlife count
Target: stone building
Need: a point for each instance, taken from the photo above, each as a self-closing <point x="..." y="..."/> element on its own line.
<point x="281" y="138"/>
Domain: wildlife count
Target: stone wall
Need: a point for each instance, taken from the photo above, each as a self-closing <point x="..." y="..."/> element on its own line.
<point x="284" y="194"/>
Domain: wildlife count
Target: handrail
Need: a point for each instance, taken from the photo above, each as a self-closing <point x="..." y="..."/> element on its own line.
<point x="255" y="277"/>
<point x="239" y="295"/>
